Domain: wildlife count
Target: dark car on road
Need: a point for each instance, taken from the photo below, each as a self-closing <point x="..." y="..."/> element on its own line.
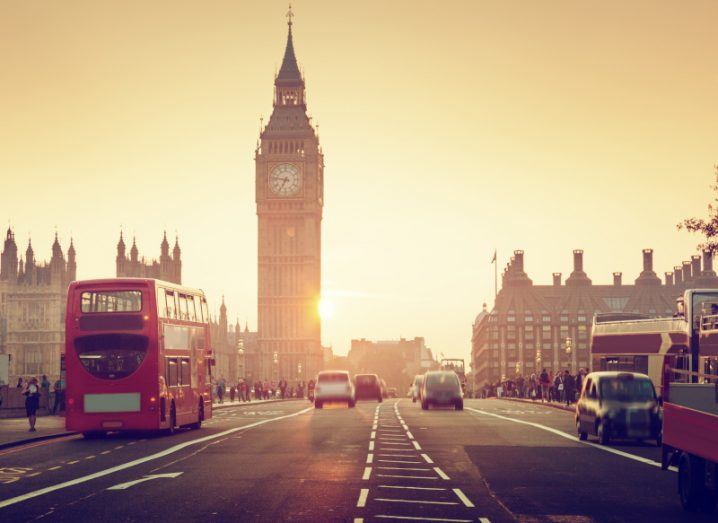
<point x="441" y="388"/>
<point x="368" y="387"/>
<point x="618" y="405"/>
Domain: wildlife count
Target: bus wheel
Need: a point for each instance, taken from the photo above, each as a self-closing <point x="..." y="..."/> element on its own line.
<point x="93" y="435"/>
<point x="200" y="417"/>
<point x="690" y="482"/>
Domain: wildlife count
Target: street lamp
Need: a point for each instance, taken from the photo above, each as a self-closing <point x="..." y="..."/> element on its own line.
<point x="568" y="343"/>
<point x="275" y="360"/>
<point x="240" y="353"/>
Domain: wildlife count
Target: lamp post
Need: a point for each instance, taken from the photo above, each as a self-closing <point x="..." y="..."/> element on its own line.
<point x="240" y="357"/>
<point x="568" y="343"/>
<point x="275" y="361"/>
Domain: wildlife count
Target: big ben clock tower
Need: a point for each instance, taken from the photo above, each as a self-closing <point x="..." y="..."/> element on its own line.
<point x="289" y="195"/>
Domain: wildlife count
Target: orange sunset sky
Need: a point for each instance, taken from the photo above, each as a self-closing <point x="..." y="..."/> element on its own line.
<point x="449" y="129"/>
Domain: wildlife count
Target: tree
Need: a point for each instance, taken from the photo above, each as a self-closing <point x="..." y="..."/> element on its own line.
<point x="707" y="227"/>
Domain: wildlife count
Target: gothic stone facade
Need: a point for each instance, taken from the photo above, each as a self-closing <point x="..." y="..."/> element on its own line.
<point x="529" y="324"/>
<point x="168" y="268"/>
<point x="32" y="308"/>
<point x="289" y="197"/>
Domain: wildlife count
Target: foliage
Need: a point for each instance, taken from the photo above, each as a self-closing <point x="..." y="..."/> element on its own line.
<point x="707" y="227"/>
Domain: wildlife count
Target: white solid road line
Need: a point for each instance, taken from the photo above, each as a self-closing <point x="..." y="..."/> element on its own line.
<point x="575" y="439"/>
<point x="403" y="476"/>
<point x="404" y="468"/>
<point x="418" y="501"/>
<point x="367" y="473"/>
<point x="411" y="488"/>
<point x="397" y="461"/>
<point x="441" y="473"/>
<point x="466" y="501"/>
<point x="134" y="463"/>
<point x="411" y="518"/>
<point x="128" y="484"/>
<point x="363" y="494"/>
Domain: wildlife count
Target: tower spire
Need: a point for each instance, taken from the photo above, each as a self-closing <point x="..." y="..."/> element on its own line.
<point x="289" y="72"/>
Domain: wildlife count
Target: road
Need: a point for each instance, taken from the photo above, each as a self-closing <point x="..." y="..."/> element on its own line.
<point x="495" y="461"/>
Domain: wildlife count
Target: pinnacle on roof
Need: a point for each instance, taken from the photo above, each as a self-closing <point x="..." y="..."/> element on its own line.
<point x="71" y="248"/>
<point x="165" y="243"/>
<point x="121" y="243"/>
<point x="289" y="72"/>
<point x="176" y="247"/>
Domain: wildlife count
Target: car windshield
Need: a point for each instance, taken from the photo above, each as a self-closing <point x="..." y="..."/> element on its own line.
<point x="334" y="377"/>
<point x="620" y="389"/>
<point x="442" y="381"/>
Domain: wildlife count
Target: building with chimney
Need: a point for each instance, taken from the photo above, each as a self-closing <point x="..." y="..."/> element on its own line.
<point x="168" y="267"/>
<point x="32" y="307"/>
<point x="529" y="326"/>
<point x="289" y="185"/>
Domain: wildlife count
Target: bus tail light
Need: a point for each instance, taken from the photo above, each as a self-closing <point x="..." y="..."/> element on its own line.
<point x="71" y="404"/>
<point x="153" y="403"/>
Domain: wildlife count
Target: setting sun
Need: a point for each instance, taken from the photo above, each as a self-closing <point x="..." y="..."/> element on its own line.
<point x="326" y="309"/>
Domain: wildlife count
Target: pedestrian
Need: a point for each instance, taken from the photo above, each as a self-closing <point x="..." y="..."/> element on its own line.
<point x="232" y="392"/>
<point x="20" y="384"/>
<point x="32" y="402"/>
<point x="220" y="392"/>
<point x="57" y="389"/>
<point x="310" y="390"/>
<point x="568" y="386"/>
<point x="545" y="382"/>
<point x="265" y="389"/>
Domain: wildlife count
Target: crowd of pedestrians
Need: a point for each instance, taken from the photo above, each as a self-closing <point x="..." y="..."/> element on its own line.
<point x="546" y="386"/>
<point x="246" y="390"/>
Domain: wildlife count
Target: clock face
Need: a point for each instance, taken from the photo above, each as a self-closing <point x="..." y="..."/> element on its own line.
<point x="284" y="180"/>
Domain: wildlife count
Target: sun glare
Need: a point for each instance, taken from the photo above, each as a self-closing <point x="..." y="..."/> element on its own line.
<point x="326" y="309"/>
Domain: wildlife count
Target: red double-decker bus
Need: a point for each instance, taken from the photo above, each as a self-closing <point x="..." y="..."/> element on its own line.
<point x="138" y="356"/>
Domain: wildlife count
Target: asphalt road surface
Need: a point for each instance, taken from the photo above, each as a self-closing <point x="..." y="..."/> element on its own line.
<point x="495" y="461"/>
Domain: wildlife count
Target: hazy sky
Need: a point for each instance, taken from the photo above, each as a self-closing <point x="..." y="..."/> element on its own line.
<point x="449" y="129"/>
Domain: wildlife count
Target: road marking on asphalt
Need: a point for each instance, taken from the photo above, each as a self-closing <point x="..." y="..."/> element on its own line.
<point x="375" y="426"/>
<point x="427" y="458"/>
<point x="371" y="445"/>
<point x="370" y="458"/>
<point x="57" y="467"/>
<point x="90" y="457"/>
<point x="105" y="452"/>
<point x="132" y="442"/>
<point x="367" y="473"/>
<point x="118" y="447"/>
<point x="441" y="473"/>
<point x="416" y="444"/>
<point x="397" y="461"/>
<point x="573" y="438"/>
<point x="389" y="443"/>
<point x="358" y="520"/>
<point x="405" y="468"/>
<point x="466" y="501"/>
<point x="403" y="476"/>
<point x="363" y="494"/>
<point x="411" y="488"/>
<point x="417" y="501"/>
<point x="484" y="520"/>
<point x="139" y="461"/>
<point x="70" y="463"/>
<point x="128" y="484"/>
<point x="373" y="434"/>
<point x="412" y="518"/>
<point x="33" y="474"/>
<point x="409" y="434"/>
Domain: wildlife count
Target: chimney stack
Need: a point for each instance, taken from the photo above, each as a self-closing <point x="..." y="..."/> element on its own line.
<point x="677" y="275"/>
<point x="557" y="279"/>
<point x="647" y="260"/>
<point x="669" y="279"/>
<point x="518" y="261"/>
<point x="708" y="263"/>
<point x="687" y="276"/>
<point x="578" y="260"/>
<point x="617" y="279"/>
<point x="695" y="265"/>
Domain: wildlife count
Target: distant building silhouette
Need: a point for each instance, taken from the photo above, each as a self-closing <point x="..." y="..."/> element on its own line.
<point x="32" y="307"/>
<point x="527" y="329"/>
<point x="168" y="268"/>
<point x="396" y="361"/>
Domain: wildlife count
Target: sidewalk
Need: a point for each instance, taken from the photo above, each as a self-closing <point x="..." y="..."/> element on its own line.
<point x="553" y="404"/>
<point x="14" y="431"/>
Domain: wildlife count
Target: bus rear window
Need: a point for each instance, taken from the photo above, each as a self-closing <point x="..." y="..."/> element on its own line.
<point x="111" y="356"/>
<point x="111" y="301"/>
